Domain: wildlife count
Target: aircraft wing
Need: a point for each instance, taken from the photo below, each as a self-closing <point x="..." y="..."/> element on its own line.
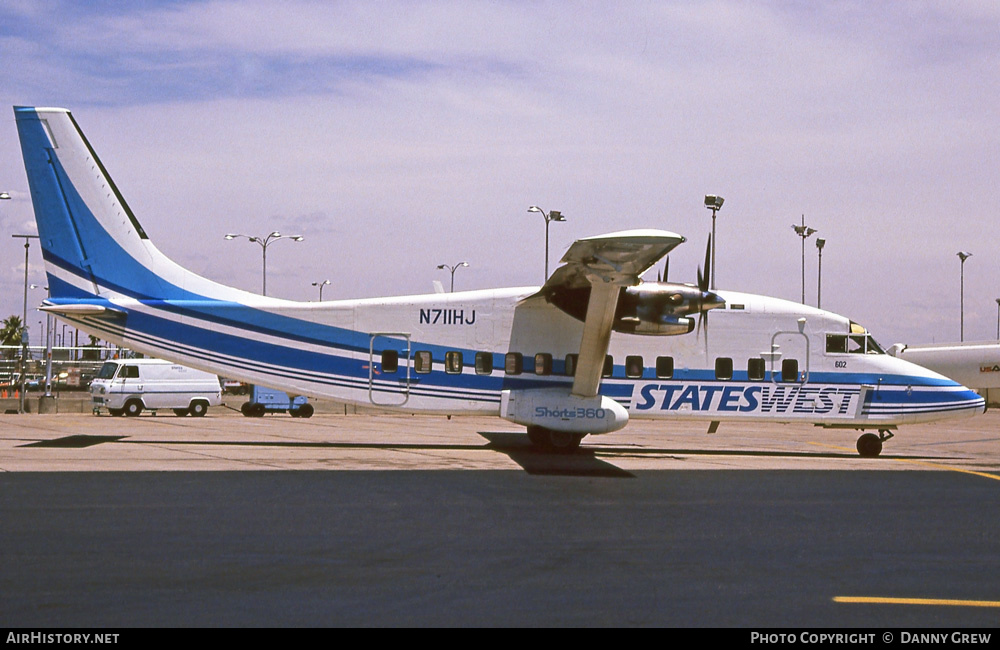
<point x="619" y="257"/>
<point x="606" y="263"/>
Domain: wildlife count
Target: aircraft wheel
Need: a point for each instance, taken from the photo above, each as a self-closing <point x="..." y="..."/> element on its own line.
<point x="557" y="441"/>
<point x="181" y="412"/>
<point x="133" y="408"/>
<point x="869" y="445"/>
<point x="198" y="409"/>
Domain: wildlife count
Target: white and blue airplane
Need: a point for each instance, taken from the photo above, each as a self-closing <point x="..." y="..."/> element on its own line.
<point x="592" y="348"/>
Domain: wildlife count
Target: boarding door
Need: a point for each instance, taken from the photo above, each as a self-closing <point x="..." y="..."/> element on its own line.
<point x="389" y="368"/>
<point x="790" y="357"/>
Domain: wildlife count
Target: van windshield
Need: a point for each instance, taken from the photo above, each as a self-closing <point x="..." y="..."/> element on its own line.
<point x="107" y="371"/>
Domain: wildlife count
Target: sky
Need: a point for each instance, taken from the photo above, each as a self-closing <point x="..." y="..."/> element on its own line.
<point x="398" y="136"/>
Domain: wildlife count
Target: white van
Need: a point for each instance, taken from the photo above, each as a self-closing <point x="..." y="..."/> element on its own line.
<point x="127" y="386"/>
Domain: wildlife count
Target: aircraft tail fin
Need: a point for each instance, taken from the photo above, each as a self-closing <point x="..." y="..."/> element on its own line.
<point x="92" y="243"/>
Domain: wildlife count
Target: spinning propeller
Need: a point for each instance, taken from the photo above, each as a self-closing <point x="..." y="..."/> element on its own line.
<point x="708" y="299"/>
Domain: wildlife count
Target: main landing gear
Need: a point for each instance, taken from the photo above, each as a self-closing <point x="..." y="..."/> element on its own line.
<point x="557" y="441"/>
<point x="870" y="445"/>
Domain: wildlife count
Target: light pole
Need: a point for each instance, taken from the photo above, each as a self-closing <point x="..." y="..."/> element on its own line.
<point x="24" y="319"/>
<point x="49" y="334"/>
<point x="264" y="242"/>
<point x="553" y="215"/>
<point x="321" y="285"/>
<point x="713" y="202"/>
<point x="998" y="319"/>
<point x="962" y="255"/>
<point x="452" y="269"/>
<point x="803" y="231"/>
<point x="820" y="243"/>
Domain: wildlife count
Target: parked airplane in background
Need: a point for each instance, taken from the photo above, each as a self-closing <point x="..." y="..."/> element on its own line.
<point x="584" y="353"/>
<point x="974" y="364"/>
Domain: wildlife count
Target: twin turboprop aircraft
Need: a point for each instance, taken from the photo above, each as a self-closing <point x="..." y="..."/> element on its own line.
<point x="584" y="353"/>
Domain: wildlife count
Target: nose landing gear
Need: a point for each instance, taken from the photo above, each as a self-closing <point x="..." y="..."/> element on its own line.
<point x="870" y="445"/>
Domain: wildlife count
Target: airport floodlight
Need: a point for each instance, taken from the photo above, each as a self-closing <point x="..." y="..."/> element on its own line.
<point x="713" y="202"/>
<point x="264" y="242"/>
<point x="553" y="215"/>
<point x="321" y="285"/>
<point x="804" y="232"/>
<point x="453" y="269"/>
<point x="962" y="255"/>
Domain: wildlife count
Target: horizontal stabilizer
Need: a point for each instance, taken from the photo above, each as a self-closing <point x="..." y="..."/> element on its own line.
<point x="79" y="310"/>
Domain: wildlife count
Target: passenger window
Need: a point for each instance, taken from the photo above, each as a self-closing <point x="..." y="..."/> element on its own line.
<point x="790" y="370"/>
<point x="756" y="369"/>
<point x="390" y="361"/>
<point x="131" y="372"/>
<point x="422" y="361"/>
<point x="724" y="368"/>
<point x="543" y="363"/>
<point x="571" y="360"/>
<point x="453" y="362"/>
<point x="664" y="367"/>
<point x="484" y="363"/>
<point x="633" y="366"/>
<point x="609" y="366"/>
<point x="513" y="363"/>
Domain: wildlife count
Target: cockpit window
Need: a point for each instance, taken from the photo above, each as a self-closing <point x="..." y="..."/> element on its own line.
<point x="852" y="344"/>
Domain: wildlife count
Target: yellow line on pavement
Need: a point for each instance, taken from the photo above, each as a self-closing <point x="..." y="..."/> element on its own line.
<point x="915" y="601"/>
<point x="920" y="462"/>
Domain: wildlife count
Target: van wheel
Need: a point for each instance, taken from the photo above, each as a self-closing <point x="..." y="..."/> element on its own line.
<point x="133" y="407"/>
<point x="181" y="412"/>
<point x="198" y="409"/>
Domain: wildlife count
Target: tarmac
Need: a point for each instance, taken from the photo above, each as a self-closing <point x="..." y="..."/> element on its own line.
<point x="377" y="519"/>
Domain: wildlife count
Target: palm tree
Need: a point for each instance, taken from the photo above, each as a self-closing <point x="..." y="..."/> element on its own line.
<point x="11" y="335"/>
<point x="11" y="332"/>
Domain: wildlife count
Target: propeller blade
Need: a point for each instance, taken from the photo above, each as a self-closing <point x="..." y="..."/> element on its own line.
<point x="666" y="268"/>
<point x="703" y="282"/>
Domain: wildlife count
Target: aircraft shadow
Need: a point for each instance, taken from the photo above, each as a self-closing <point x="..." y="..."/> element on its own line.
<point x="580" y="462"/>
<point x="516" y="446"/>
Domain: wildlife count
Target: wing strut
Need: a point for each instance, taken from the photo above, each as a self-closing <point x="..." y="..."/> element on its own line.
<point x="596" y="338"/>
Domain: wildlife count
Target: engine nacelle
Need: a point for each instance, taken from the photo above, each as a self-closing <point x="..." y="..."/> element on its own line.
<point x="654" y="308"/>
<point x="661" y="325"/>
<point x="558" y="410"/>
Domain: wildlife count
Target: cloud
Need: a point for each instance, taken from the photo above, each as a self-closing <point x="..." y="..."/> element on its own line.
<point x="399" y="136"/>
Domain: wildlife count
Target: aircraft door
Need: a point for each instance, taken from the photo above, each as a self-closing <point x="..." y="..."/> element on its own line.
<point x="389" y="368"/>
<point x="790" y="357"/>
